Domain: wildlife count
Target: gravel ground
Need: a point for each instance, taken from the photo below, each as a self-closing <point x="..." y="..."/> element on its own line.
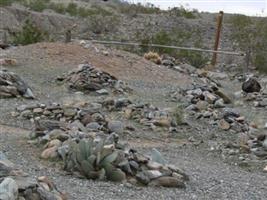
<point x="210" y="176"/>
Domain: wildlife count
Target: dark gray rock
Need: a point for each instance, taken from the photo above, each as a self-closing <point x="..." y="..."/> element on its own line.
<point x="251" y="85"/>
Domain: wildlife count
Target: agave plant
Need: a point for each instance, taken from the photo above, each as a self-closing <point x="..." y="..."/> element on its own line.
<point x="94" y="160"/>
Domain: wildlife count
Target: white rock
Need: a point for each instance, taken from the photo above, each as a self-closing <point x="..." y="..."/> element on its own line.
<point x="8" y="189"/>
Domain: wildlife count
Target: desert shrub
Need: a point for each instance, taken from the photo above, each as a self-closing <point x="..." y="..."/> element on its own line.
<point x="37" y="5"/>
<point x="183" y="12"/>
<point x="178" y="114"/>
<point x="97" y="9"/>
<point x="6" y="2"/>
<point x="72" y="9"/>
<point x="251" y="37"/>
<point x="153" y="57"/>
<point x="162" y="38"/>
<point x="176" y="37"/>
<point x="58" y="7"/>
<point x="103" y="24"/>
<point x="194" y="58"/>
<point x="83" y="12"/>
<point x="29" y="34"/>
<point x="135" y="9"/>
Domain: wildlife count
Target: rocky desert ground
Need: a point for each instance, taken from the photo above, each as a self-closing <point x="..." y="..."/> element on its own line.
<point x="81" y="120"/>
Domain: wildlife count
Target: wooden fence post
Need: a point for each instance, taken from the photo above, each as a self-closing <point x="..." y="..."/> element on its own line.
<point x="217" y="39"/>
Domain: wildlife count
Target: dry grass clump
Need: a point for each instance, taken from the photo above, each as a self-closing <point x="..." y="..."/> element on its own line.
<point x="8" y="62"/>
<point x="153" y="57"/>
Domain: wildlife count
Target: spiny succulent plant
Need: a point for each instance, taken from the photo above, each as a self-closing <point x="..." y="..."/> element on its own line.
<point x="94" y="160"/>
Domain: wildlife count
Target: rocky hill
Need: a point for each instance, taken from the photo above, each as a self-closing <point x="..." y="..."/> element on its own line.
<point x="114" y="20"/>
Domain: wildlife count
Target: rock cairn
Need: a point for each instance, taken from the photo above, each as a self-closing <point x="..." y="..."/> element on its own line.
<point x="11" y="85"/>
<point x="95" y="115"/>
<point x="87" y="78"/>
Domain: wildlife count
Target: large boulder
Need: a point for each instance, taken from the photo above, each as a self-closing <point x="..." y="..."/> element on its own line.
<point x="251" y="85"/>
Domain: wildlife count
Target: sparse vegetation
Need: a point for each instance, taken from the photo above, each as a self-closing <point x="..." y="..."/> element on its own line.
<point x="6" y="2"/>
<point x="29" y="34"/>
<point x="251" y="37"/>
<point x="135" y="9"/>
<point x="37" y="5"/>
<point x="153" y="57"/>
<point x="175" y="37"/>
<point x="100" y="24"/>
<point x="179" y="114"/>
<point x="183" y="12"/>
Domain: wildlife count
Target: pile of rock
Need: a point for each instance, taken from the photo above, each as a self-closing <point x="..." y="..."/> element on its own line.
<point x="253" y="92"/>
<point x="87" y="78"/>
<point x="14" y="184"/>
<point x="230" y="119"/>
<point x="258" y="99"/>
<point x="11" y="85"/>
<point x="146" y="114"/>
<point x="52" y="111"/>
<point x="46" y="117"/>
<point x="152" y="116"/>
<point x="102" y="157"/>
<point x="89" y="143"/>
<point x="204" y="100"/>
<point x="255" y="144"/>
<point x="210" y="103"/>
<point x="206" y="97"/>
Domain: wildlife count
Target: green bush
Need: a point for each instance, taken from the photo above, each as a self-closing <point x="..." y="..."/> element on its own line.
<point x="194" y="58"/>
<point x="37" y="5"/>
<point x="176" y="37"/>
<point x="6" y="2"/>
<point x="101" y="24"/>
<point x="72" y="9"/>
<point x="29" y="34"/>
<point x="135" y="9"/>
<point x="251" y="37"/>
<point x="162" y="38"/>
<point x="183" y="12"/>
<point x="58" y="7"/>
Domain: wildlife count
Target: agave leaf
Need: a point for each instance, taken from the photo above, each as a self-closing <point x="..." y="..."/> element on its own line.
<point x="98" y="158"/>
<point x="79" y="157"/>
<point x="107" y="149"/>
<point x="157" y="157"/>
<point x="94" y="175"/>
<point x="92" y="159"/>
<point x="84" y="150"/>
<point x="69" y="166"/>
<point x="116" y="175"/>
<point x="108" y="168"/>
<point x="86" y="167"/>
<point x="102" y="174"/>
<point x="109" y="159"/>
<point x="99" y="147"/>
